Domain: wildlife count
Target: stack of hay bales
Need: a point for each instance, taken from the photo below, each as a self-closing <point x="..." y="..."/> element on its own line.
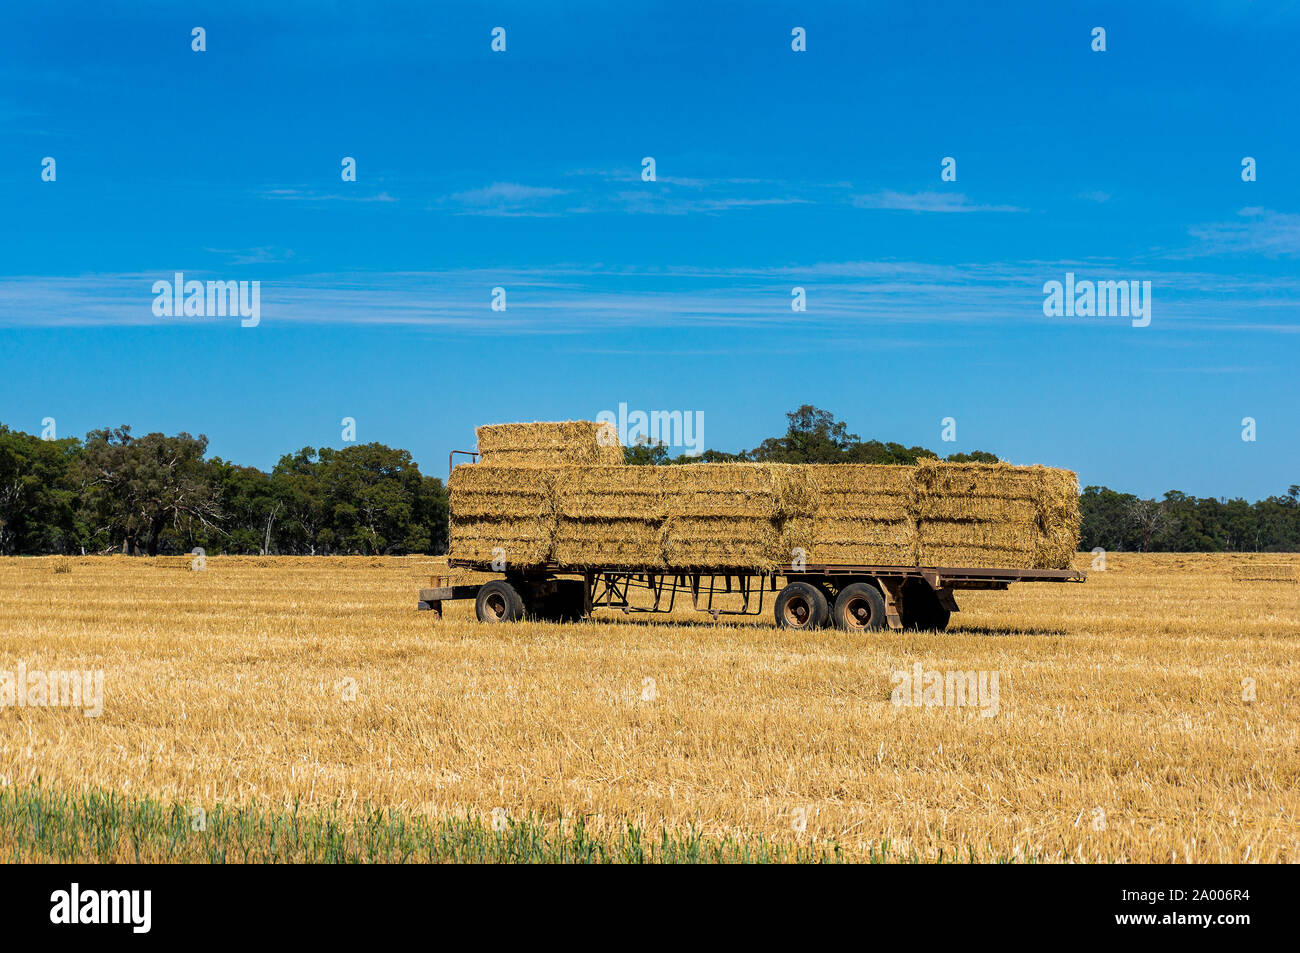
<point x="994" y="515"/>
<point x="506" y="506"/>
<point x="722" y="515"/>
<point x="551" y="492"/>
<point x="555" y="444"/>
<point x="610" y="516"/>
<point x="502" y="512"/>
<point x="849" y="514"/>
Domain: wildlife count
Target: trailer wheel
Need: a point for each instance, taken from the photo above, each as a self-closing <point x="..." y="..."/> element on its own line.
<point x="859" y="608"/>
<point x="922" y="610"/>
<point x="801" y="606"/>
<point x="565" y="604"/>
<point x="938" y="619"/>
<point x="498" y="601"/>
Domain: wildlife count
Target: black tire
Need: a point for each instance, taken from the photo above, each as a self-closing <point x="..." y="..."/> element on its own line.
<point x="498" y="601"/>
<point x="859" y="608"/>
<point x="922" y="610"/>
<point x="801" y="606"/>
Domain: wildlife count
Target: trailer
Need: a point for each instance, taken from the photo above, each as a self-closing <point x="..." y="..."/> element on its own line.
<point x="851" y="598"/>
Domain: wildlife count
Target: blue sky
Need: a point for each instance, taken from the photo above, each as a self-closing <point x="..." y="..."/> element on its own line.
<point x="775" y="169"/>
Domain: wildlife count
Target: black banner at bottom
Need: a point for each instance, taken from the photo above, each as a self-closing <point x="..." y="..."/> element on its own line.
<point x="141" y="904"/>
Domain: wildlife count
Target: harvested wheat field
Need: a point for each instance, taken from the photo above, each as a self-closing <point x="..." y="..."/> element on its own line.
<point x="1121" y="732"/>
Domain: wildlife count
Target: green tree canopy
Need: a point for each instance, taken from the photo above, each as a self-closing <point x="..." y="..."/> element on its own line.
<point x="38" y="494"/>
<point x="137" y="487"/>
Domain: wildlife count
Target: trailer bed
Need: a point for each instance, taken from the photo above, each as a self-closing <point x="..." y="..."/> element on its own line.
<point x="906" y="593"/>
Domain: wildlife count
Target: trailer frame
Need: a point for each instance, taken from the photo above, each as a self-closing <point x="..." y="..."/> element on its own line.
<point x="610" y="586"/>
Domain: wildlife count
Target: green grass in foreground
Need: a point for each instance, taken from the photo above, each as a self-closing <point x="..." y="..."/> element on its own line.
<point x="40" y="824"/>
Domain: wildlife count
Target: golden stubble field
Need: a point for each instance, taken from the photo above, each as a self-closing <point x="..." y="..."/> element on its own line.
<point x="1121" y="733"/>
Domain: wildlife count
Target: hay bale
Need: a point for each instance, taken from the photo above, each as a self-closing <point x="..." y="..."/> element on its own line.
<point x="721" y="514"/>
<point x="1059" y="519"/>
<point x="979" y="509"/>
<point x="936" y="480"/>
<point x="860" y="490"/>
<point x="851" y="541"/>
<point x="610" y="515"/>
<point x="486" y="540"/>
<point x="796" y="491"/>
<point x="502" y="513"/>
<point x="610" y="492"/>
<point x="847" y="513"/>
<point x="968" y="544"/>
<point x="612" y="541"/>
<point x="972" y="557"/>
<point x="719" y="489"/>
<point x="481" y="489"/>
<point x="725" y="542"/>
<point x="995" y="515"/>
<point x="550" y="443"/>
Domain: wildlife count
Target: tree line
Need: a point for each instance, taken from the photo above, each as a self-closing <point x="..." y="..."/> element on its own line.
<point x="152" y="494"/>
<point x="156" y="494"/>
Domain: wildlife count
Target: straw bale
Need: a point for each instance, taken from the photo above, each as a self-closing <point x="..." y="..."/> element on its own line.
<point x="484" y="490"/>
<point x="1014" y="517"/>
<point x="980" y="509"/>
<point x="517" y="542"/>
<point x="720" y="489"/>
<point x="550" y="443"/>
<point x="502" y="512"/>
<point x="966" y="544"/>
<point x="731" y="542"/>
<point x="611" y="492"/>
<point x="552" y="457"/>
<point x="611" y="515"/>
<point x="859" y="490"/>
<point x="1058" y="519"/>
<point x="610" y="542"/>
<point x="937" y="480"/>
<point x="1021" y="538"/>
<point x="851" y="541"/>
<point x="973" y="557"/>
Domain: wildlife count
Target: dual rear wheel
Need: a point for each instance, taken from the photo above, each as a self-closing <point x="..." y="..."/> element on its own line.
<point x="859" y="607"/>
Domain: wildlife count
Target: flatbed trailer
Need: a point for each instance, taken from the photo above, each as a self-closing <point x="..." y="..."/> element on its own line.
<point x="853" y="598"/>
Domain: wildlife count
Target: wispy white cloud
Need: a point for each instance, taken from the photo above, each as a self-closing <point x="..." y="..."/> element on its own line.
<point x="1256" y="230"/>
<point x="619" y="193"/>
<point x="653" y="199"/>
<point x="505" y="198"/>
<point x="844" y="297"/>
<point x="263" y="255"/>
<point x="926" y="202"/>
<point x="312" y="195"/>
<point x="633" y="174"/>
<point x="591" y="191"/>
<point x="507" y="192"/>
